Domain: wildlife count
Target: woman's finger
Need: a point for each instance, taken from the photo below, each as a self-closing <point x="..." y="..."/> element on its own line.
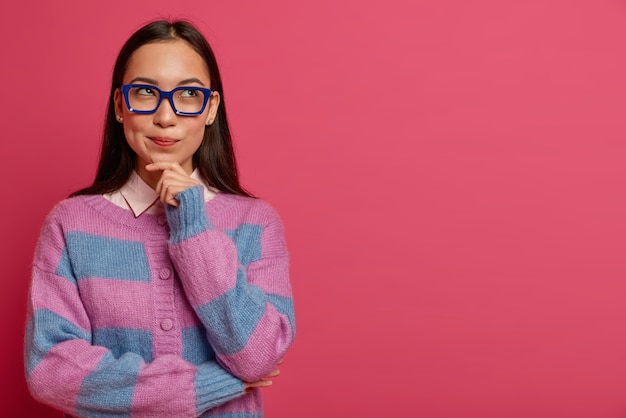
<point x="249" y="386"/>
<point x="166" y="165"/>
<point x="168" y="196"/>
<point x="171" y="183"/>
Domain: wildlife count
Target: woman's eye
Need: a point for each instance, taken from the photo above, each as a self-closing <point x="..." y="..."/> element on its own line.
<point x="144" y="91"/>
<point x="189" y="93"/>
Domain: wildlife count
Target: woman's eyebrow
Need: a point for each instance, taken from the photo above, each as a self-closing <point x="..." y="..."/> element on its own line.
<point x="156" y="83"/>
<point x="190" y="80"/>
<point x="144" y="80"/>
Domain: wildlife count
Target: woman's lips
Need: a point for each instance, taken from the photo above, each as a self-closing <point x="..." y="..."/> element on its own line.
<point x="163" y="142"/>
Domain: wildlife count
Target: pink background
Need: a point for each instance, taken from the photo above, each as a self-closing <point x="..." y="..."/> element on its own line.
<point x="450" y="174"/>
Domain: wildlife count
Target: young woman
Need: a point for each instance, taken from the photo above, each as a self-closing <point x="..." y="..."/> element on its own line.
<point x="162" y="289"/>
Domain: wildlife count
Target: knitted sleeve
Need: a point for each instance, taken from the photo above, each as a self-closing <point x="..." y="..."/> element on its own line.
<point x="236" y="276"/>
<point x="66" y="371"/>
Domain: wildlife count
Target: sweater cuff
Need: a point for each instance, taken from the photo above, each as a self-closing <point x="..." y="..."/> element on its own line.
<point x="215" y="386"/>
<point x="189" y="218"/>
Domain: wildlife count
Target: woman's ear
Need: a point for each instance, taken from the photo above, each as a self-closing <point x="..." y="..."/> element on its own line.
<point x="214" y="104"/>
<point x="118" y="105"/>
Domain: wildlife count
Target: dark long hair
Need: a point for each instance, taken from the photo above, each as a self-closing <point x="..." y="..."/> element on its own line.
<point x="214" y="159"/>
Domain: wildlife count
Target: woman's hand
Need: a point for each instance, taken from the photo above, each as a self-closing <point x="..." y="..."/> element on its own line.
<point x="266" y="381"/>
<point x="173" y="180"/>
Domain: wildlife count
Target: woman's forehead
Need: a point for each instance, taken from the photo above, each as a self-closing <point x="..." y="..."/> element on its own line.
<point x="167" y="62"/>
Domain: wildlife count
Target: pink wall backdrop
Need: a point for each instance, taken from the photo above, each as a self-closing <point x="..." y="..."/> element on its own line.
<point x="451" y="176"/>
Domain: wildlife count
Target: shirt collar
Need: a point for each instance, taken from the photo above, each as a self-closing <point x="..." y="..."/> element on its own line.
<point x="141" y="198"/>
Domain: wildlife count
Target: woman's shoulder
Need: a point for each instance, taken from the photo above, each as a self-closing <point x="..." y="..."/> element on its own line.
<point x="78" y="210"/>
<point x="64" y="216"/>
<point x="71" y="206"/>
<point x="243" y="208"/>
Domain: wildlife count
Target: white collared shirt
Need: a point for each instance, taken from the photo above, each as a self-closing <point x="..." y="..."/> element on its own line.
<point x="140" y="198"/>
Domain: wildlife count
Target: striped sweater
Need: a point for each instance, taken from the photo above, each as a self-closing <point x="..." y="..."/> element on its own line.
<point x="161" y="315"/>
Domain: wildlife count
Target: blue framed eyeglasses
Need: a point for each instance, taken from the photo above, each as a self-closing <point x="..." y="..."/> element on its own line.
<point x="145" y="99"/>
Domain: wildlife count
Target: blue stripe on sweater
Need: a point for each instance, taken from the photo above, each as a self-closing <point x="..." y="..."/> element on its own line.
<point x="196" y="347"/>
<point x="97" y="393"/>
<point x="121" y="340"/>
<point x="284" y="305"/>
<point x="64" y="269"/>
<point x="51" y="330"/>
<point x="243" y="305"/>
<point x="96" y="256"/>
<point x="247" y="238"/>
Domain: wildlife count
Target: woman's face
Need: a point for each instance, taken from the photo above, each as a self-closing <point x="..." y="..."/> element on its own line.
<point x="163" y="135"/>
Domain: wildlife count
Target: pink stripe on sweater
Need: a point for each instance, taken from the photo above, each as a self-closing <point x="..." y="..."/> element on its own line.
<point x="85" y="214"/>
<point x="252" y="210"/>
<point x="188" y="316"/>
<point x="76" y="359"/>
<point x="213" y="254"/>
<point x="266" y="346"/>
<point x="117" y="303"/>
<point x="59" y="295"/>
<point x="271" y="276"/>
<point x="159" y="377"/>
<point x="50" y="246"/>
<point x="105" y="231"/>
